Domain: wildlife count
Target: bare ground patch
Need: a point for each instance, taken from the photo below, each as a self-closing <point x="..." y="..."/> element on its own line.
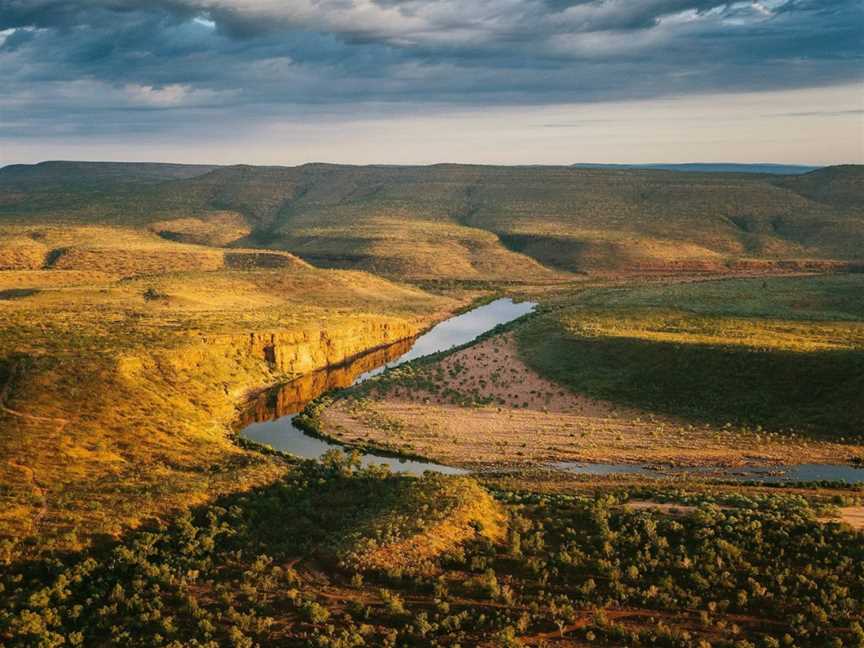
<point x="851" y="515"/>
<point x="482" y="406"/>
<point x="661" y="507"/>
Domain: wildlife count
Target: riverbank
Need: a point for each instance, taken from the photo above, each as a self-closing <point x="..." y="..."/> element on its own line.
<point x="494" y="404"/>
<point x="482" y="407"/>
<point x="302" y="435"/>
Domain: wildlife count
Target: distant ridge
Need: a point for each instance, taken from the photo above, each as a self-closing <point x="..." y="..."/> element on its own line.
<point x="710" y="167"/>
<point x="67" y="171"/>
<point x="451" y="222"/>
<point x="169" y="170"/>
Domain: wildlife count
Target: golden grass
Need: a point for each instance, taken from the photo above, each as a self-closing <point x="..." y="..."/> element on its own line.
<point x="561" y="245"/>
<point x="417" y="250"/>
<point x="217" y="229"/>
<point x="126" y="252"/>
<point x="457" y="507"/>
<point x="783" y="354"/>
<point x="112" y="250"/>
<point x="21" y="253"/>
<point x="53" y="279"/>
<point x="677" y="327"/>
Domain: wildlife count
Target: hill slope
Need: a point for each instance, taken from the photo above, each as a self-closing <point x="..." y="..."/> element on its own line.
<point x="90" y="173"/>
<point x="468" y="222"/>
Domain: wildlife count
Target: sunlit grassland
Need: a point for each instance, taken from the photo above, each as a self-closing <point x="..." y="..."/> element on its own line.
<point x="415" y="248"/>
<point x="783" y="354"/>
<point x="182" y="245"/>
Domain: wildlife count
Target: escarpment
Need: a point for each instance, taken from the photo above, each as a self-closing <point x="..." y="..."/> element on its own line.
<point x="130" y="375"/>
<point x="298" y="352"/>
<point x="292" y="396"/>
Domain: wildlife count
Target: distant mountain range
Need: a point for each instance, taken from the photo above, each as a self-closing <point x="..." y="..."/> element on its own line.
<point x="446" y="221"/>
<point x="710" y="167"/>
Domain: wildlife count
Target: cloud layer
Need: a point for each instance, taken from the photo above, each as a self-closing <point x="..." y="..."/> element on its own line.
<point x="99" y="66"/>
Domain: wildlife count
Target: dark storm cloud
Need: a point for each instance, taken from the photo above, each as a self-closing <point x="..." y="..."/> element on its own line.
<point x="64" y="61"/>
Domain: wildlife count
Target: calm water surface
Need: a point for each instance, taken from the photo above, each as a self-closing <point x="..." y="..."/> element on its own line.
<point x="269" y="420"/>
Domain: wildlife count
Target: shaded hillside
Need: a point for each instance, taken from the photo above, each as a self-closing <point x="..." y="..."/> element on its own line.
<point x="784" y="354"/>
<point x="476" y="222"/>
<point x="840" y="186"/>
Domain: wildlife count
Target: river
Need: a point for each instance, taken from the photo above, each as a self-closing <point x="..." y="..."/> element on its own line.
<point x="269" y="419"/>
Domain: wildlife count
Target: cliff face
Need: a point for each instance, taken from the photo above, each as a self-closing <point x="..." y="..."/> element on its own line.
<point x="148" y="431"/>
<point x="293" y="396"/>
<point x="121" y="407"/>
<point x="298" y="352"/>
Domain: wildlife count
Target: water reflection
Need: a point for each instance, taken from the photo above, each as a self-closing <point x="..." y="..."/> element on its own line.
<point x="459" y="330"/>
<point x="292" y="397"/>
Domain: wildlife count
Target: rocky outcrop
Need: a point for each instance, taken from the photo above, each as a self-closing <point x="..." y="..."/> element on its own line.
<point x="300" y="352"/>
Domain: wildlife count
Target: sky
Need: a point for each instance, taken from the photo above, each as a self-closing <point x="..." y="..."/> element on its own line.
<point x="425" y="81"/>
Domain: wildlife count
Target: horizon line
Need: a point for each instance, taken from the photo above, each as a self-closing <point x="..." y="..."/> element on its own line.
<point x="441" y="163"/>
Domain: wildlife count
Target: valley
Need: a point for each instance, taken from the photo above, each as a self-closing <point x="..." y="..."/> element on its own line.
<point x="682" y="333"/>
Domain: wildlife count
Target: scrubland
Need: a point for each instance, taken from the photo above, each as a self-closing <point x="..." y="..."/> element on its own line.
<point x="329" y="555"/>
<point x="463" y="222"/>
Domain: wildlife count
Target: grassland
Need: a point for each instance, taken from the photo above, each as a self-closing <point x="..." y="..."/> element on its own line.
<point x="119" y="393"/>
<point x="781" y="354"/>
<point x="144" y="307"/>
